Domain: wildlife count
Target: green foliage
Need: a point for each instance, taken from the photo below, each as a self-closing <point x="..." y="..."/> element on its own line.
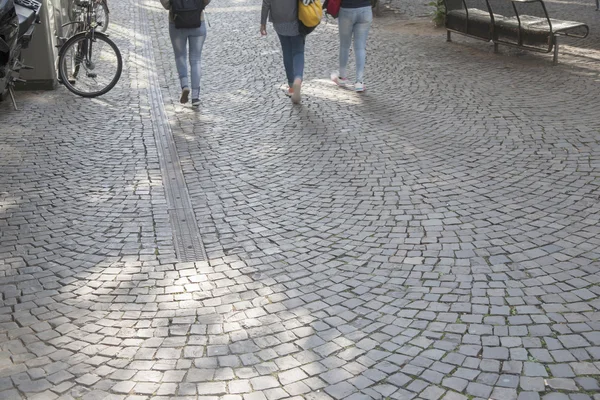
<point x="438" y="15"/>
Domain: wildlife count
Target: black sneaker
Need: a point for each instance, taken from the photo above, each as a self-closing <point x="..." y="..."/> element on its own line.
<point x="185" y="93"/>
<point x="195" y="103"/>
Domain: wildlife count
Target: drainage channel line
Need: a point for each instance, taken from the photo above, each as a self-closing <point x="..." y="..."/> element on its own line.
<point x="186" y="234"/>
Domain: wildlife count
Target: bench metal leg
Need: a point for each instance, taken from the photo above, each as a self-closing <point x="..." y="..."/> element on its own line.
<point x="555" y="60"/>
<point x="597" y="5"/>
<point x="449" y="37"/>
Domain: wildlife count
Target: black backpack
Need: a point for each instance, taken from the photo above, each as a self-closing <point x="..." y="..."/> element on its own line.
<point x="187" y="13"/>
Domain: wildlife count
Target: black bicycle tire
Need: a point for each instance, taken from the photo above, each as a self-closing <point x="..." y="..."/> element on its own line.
<point x="106" y="14"/>
<point x="4" y="93"/>
<point x="376" y="7"/>
<point x="70" y="12"/>
<point x="64" y="61"/>
<point x="63" y="73"/>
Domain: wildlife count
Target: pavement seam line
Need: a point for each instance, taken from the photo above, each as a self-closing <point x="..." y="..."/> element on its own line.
<point x="187" y="238"/>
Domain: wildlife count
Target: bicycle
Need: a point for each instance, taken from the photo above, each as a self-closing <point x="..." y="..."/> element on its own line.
<point x="102" y="14"/>
<point x="91" y="49"/>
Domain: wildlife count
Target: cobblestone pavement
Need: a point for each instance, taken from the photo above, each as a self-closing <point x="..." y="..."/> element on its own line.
<point x="434" y="238"/>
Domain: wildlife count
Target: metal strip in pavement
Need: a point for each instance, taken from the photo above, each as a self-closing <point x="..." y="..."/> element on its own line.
<point x="186" y="234"/>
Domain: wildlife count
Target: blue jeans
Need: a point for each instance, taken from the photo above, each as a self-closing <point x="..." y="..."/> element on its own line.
<point x="293" y="56"/>
<point x="354" y="22"/>
<point x="179" y="40"/>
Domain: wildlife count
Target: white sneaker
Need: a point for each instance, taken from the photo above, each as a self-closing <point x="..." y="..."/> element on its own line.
<point x="296" y="91"/>
<point x="341" y="82"/>
<point x="288" y="91"/>
<point x="359" y="87"/>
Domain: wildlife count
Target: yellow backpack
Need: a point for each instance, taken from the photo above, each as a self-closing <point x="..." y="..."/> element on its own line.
<point x="310" y="13"/>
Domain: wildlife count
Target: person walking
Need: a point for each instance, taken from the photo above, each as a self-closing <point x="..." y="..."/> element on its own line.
<point x="354" y="21"/>
<point x="284" y="16"/>
<point x="180" y="38"/>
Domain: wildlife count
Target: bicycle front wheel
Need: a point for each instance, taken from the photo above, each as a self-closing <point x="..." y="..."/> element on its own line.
<point x="102" y="17"/>
<point x="90" y="67"/>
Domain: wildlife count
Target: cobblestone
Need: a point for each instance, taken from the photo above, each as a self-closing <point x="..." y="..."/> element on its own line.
<point x="434" y="238"/>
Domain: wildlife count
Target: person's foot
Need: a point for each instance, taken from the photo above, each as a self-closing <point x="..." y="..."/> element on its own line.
<point x="185" y="95"/>
<point x="296" y="90"/>
<point x="289" y="91"/>
<point x="341" y="82"/>
<point x="359" y="87"/>
<point x="195" y="103"/>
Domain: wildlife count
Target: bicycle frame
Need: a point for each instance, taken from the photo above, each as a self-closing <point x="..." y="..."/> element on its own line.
<point x="88" y="22"/>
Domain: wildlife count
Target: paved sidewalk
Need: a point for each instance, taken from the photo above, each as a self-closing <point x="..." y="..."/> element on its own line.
<point x="435" y="238"/>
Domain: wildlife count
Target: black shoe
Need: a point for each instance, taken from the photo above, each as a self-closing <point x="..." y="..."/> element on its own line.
<point x="185" y="93"/>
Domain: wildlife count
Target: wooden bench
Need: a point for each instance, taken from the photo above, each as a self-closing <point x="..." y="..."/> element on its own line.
<point x="480" y="19"/>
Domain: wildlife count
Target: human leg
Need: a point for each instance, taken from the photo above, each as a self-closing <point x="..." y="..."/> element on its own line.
<point x="288" y="59"/>
<point x="361" y="33"/>
<point x="196" y="40"/>
<point x="298" y="55"/>
<point x="345" y="24"/>
<point x="179" y="41"/>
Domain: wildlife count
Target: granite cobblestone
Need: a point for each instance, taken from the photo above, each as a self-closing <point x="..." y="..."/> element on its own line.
<point x="434" y="238"/>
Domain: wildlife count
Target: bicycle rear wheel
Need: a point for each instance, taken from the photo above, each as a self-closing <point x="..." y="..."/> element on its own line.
<point x="102" y="17"/>
<point x="376" y="6"/>
<point x="90" y="67"/>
